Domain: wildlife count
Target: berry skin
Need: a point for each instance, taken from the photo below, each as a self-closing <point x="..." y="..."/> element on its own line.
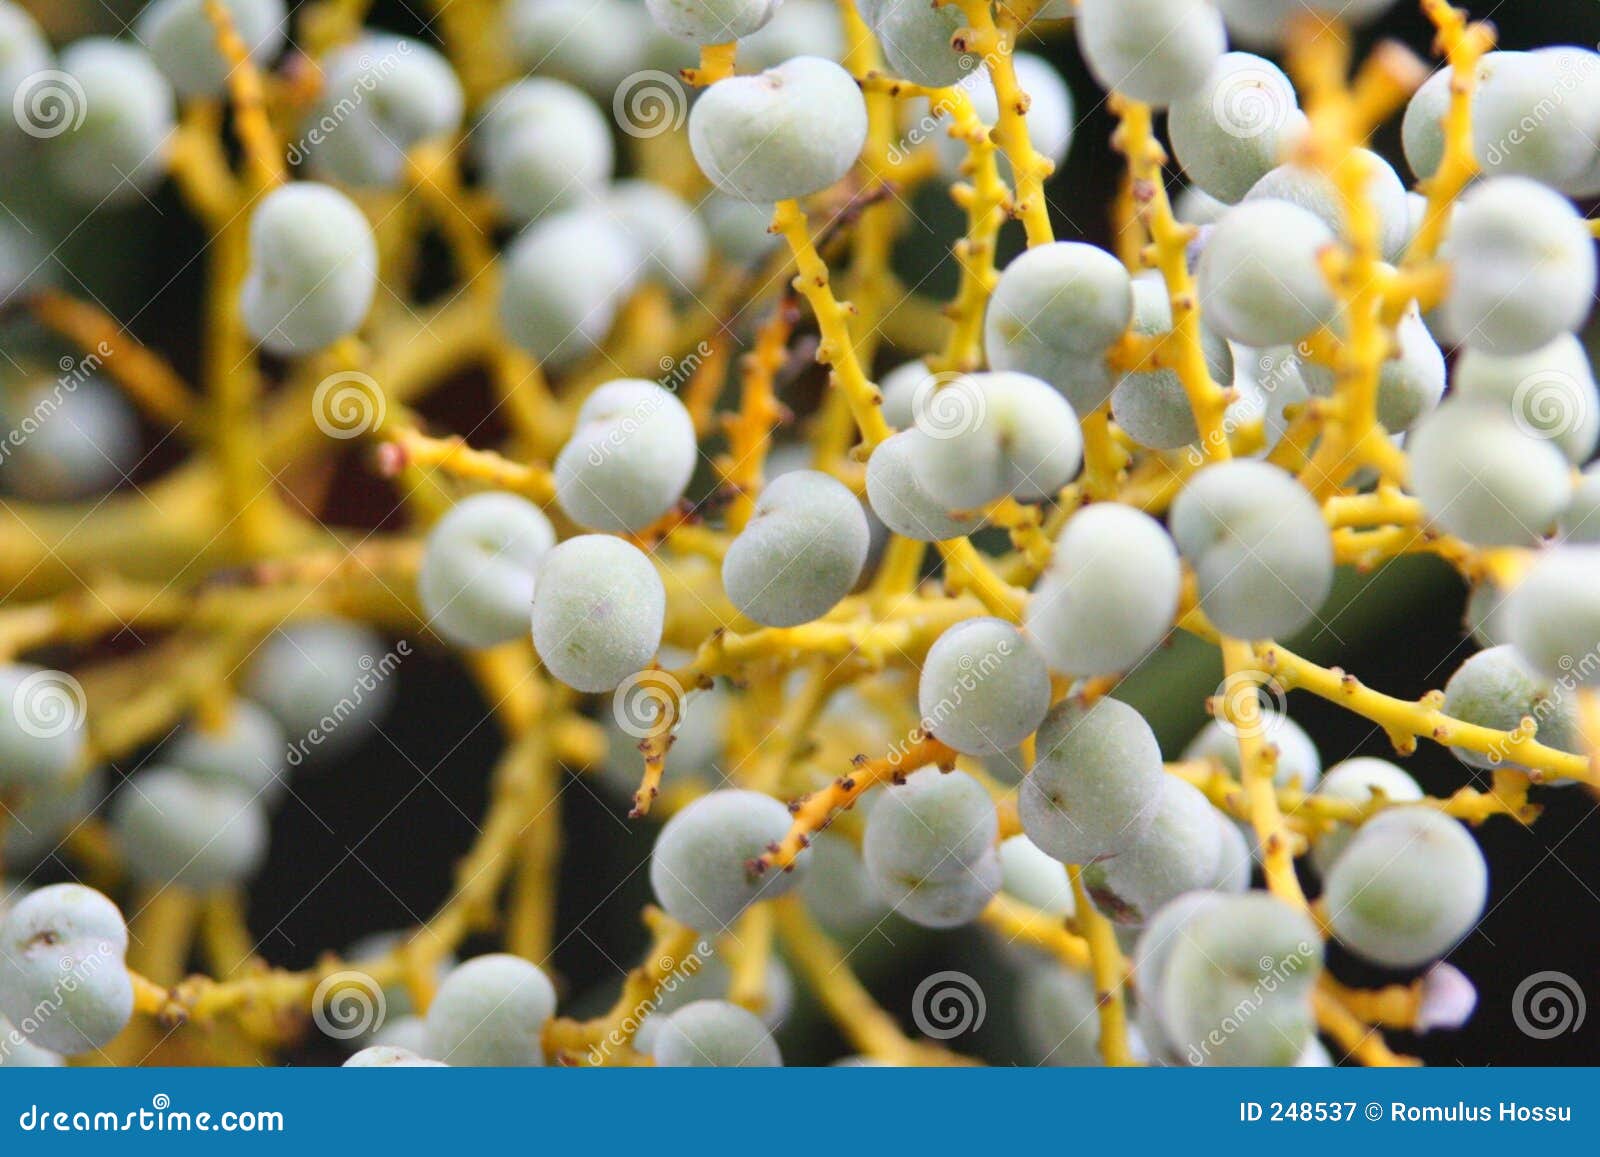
<point x="565" y="278"/>
<point x="544" y="146"/>
<point x="490" y="1012"/>
<point x="711" y="21"/>
<point x="598" y="611"/>
<point x="1151" y="406"/>
<point x="784" y="133"/>
<point x="248" y="753"/>
<point x="1496" y="689"/>
<point x="1181" y="850"/>
<point x="476" y="579"/>
<point x="899" y="500"/>
<point x="630" y="458"/>
<point x="326" y="682"/>
<point x="1523" y="267"/>
<point x="1553" y="615"/>
<point x="982" y="437"/>
<point x="177" y="830"/>
<point x="1094" y="789"/>
<point x="1358" y="780"/>
<point x="1409" y="885"/>
<point x="1233" y="130"/>
<point x="1317" y="193"/>
<point x="60" y="932"/>
<point x="1156" y="51"/>
<point x="1259" y="548"/>
<point x="313" y="269"/>
<point x="183" y="40"/>
<point x="390" y="1057"/>
<point x="1055" y="312"/>
<point x="930" y="848"/>
<point x="700" y="867"/>
<point x="1260" y="276"/>
<point x="118" y="152"/>
<point x="42" y="737"/>
<point x="800" y="553"/>
<point x="984" y="687"/>
<point x="665" y="230"/>
<point x="1550" y="392"/>
<point x="714" y="1034"/>
<point x="1110" y="593"/>
<point x="916" y="40"/>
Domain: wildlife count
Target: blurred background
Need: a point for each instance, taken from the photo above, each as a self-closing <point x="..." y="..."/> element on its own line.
<point x="369" y="848"/>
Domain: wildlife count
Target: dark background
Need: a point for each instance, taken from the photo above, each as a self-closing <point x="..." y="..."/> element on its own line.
<point x="373" y="845"/>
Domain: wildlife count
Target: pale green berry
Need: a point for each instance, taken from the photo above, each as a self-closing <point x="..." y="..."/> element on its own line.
<point x="702" y="866"/>
<point x="714" y="1034"/>
<point x="1236" y="127"/>
<point x="837" y="889"/>
<point x="1035" y="877"/>
<point x="797" y="28"/>
<point x="1523" y="267"/>
<point x="800" y="553"/>
<point x="313" y="269"/>
<point x="1485" y="478"/>
<point x="1110" y="593"/>
<point x="68" y="438"/>
<point x="1260" y="549"/>
<point x="1550" y="392"/>
<point x="248" y="753"/>
<point x="476" y="579"/>
<point x="1095" y="788"/>
<point x="664" y="229"/>
<point x="491" y="1012"/>
<point x="42" y="818"/>
<point x="1051" y="122"/>
<point x="712" y="21"/>
<point x="1267" y="23"/>
<point x="390" y="1057"/>
<point x="543" y="145"/>
<point x="629" y="459"/>
<point x="1580" y="522"/>
<point x="1297" y="763"/>
<point x="930" y="848"/>
<point x="383" y="95"/>
<point x="1553" y="615"/>
<point x="899" y="500"/>
<point x="1409" y="885"/>
<point x="1058" y="1017"/>
<point x="783" y="133"/>
<point x="738" y="228"/>
<point x="109" y="143"/>
<point x="1318" y="193"/>
<point x="1152" y="406"/>
<point x="916" y="40"/>
<point x="598" y="611"/>
<point x="1156" y="51"/>
<point x="327" y="682"/>
<point x="1422" y="127"/>
<point x="1359" y="781"/>
<point x="565" y="279"/>
<point x="1260" y="275"/>
<point x="1055" y="313"/>
<point x="595" y="44"/>
<point x="982" y="437"/>
<point x="63" y="983"/>
<point x="1497" y="689"/>
<point x="42" y="733"/>
<point x="183" y="40"/>
<point x="1179" y="851"/>
<point x="984" y="687"/>
<point x="1236" y="988"/>
<point x="18" y="1052"/>
<point x="1534" y="114"/>
<point x="175" y="829"/>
